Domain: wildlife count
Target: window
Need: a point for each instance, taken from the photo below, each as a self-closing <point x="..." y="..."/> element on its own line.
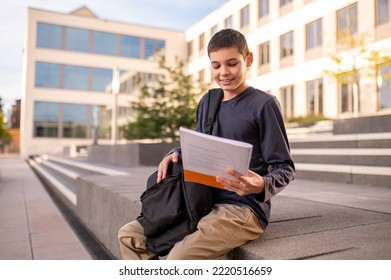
<point x="284" y="2"/>
<point x="315" y="97"/>
<point x="49" y="36"/>
<point x="152" y="47"/>
<point x="83" y="40"/>
<point x="382" y="11"/>
<point x="74" y="121"/>
<point x="347" y="22"/>
<point x="190" y="48"/>
<point x="264" y="53"/>
<point x="101" y="118"/>
<point x="228" y="22"/>
<point x="348" y="93"/>
<point x="101" y="79"/>
<point x="46" y="119"/>
<point x="384" y="85"/>
<point x="245" y="16"/>
<point x="287" y="101"/>
<point x="77" y="39"/>
<point x="47" y="75"/>
<point x="286" y="45"/>
<point x="75" y="77"/>
<point x="214" y="30"/>
<point x="314" y="34"/>
<point x="72" y="77"/>
<point x="104" y="43"/>
<point x="130" y="46"/>
<point x="263" y="8"/>
<point x="201" y="42"/>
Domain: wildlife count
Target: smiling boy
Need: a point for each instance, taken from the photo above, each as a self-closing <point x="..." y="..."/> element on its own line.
<point x="241" y="212"/>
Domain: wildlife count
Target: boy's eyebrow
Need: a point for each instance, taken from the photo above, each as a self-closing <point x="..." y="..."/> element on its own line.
<point x="229" y="60"/>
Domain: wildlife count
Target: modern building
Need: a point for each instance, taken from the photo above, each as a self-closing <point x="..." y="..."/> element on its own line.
<point x="319" y="57"/>
<point x="294" y="43"/>
<point x="77" y="68"/>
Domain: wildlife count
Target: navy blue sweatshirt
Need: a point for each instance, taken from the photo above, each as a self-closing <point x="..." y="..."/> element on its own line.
<point x="254" y="117"/>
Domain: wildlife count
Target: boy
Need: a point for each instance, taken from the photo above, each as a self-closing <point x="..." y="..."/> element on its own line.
<point x="241" y="212"/>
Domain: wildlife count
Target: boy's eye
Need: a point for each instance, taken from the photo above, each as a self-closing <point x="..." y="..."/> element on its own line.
<point x="232" y="64"/>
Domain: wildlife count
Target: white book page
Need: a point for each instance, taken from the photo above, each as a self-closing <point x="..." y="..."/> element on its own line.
<point x="211" y="155"/>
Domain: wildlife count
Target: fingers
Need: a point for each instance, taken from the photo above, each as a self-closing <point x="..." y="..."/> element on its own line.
<point x="163" y="166"/>
<point x="245" y="184"/>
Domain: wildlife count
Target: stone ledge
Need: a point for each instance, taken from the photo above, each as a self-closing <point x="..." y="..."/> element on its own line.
<point x="299" y="229"/>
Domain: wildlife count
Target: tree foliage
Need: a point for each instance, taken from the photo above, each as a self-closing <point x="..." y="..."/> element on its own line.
<point x="5" y="136"/>
<point x="354" y="55"/>
<point x="164" y="106"/>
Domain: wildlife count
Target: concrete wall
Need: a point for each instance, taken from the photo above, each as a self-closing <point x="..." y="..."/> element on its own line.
<point x="131" y="155"/>
<point x="106" y="203"/>
<point x="369" y="124"/>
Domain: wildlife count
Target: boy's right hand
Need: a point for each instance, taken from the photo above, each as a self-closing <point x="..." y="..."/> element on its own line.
<point x="163" y="165"/>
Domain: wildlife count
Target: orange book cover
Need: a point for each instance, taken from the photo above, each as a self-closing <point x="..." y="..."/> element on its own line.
<point x="205" y="157"/>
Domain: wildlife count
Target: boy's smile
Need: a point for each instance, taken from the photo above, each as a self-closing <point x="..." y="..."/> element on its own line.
<point x="229" y="69"/>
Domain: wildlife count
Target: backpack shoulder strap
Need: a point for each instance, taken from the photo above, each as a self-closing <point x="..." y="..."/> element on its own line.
<point x="215" y="96"/>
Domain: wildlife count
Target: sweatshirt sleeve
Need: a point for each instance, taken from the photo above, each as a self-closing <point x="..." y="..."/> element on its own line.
<point x="276" y="151"/>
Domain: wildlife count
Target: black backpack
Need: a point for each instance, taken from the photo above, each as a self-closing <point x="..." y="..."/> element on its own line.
<point x="171" y="209"/>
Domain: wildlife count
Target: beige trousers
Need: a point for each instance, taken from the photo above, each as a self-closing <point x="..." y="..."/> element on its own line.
<point x="226" y="227"/>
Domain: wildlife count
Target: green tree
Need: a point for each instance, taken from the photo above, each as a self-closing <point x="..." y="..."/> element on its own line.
<point x="5" y="136"/>
<point x="353" y="60"/>
<point x="164" y="106"/>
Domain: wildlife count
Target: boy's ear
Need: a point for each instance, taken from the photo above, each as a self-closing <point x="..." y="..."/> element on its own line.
<point x="249" y="59"/>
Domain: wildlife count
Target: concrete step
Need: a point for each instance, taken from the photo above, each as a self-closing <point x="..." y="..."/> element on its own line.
<point x="365" y="140"/>
<point x="348" y="174"/>
<point x="65" y="191"/>
<point x="87" y="168"/>
<point x="344" y="156"/>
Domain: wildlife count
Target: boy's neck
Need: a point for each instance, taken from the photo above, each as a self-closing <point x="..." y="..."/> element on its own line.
<point x="231" y="94"/>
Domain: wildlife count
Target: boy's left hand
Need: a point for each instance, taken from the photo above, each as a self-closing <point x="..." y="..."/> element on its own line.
<point x="246" y="184"/>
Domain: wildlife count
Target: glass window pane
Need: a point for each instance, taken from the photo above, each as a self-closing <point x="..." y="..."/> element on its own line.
<point x="130" y="46"/>
<point x="151" y="47"/>
<point x="75" y="77"/>
<point x="104" y="43"/>
<point x="101" y="79"/>
<point x="263" y="8"/>
<point x="74" y="121"/>
<point x="101" y="119"/>
<point x="287" y="44"/>
<point x="245" y="16"/>
<point x="160" y="45"/>
<point x="77" y="39"/>
<point x="385" y="87"/>
<point x="45" y="119"/>
<point x="319" y="36"/>
<point x="49" y="36"/>
<point x="47" y="75"/>
<point x="347" y="21"/>
<point x="228" y="22"/>
<point x="383" y="11"/>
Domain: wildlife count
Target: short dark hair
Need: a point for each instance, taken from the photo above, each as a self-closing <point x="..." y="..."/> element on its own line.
<point x="228" y="38"/>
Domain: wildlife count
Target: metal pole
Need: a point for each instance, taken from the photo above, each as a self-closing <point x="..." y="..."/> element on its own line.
<point x="115" y="90"/>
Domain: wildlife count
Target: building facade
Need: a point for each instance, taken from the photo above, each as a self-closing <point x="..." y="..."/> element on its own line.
<point x="319" y="57"/>
<point x="77" y="68"/>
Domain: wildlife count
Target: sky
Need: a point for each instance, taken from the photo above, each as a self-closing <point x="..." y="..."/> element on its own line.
<point x="172" y="14"/>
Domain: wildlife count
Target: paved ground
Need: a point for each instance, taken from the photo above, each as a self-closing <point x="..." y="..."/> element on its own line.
<point x="31" y="226"/>
<point x="330" y="221"/>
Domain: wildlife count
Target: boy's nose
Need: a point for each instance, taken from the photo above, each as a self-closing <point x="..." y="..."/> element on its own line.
<point x="224" y="71"/>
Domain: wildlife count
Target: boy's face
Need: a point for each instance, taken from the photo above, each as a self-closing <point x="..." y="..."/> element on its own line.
<point x="229" y="69"/>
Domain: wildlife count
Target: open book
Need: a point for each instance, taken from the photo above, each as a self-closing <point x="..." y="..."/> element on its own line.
<point x="205" y="157"/>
